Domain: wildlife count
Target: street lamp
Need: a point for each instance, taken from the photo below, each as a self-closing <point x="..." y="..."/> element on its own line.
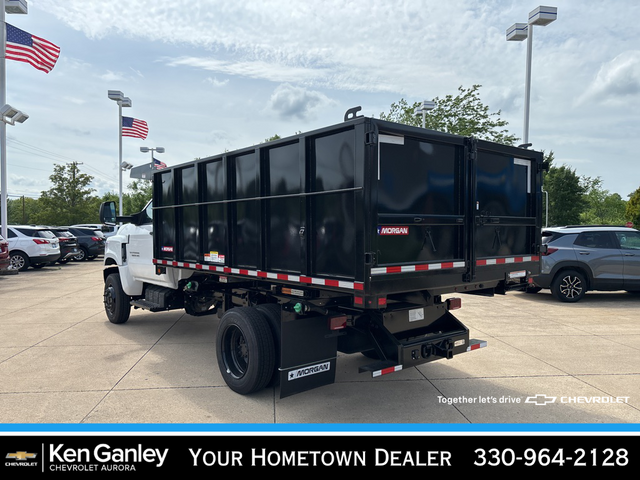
<point x="424" y="107"/>
<point x="519" y="31"/>
<point x="122" y="101"/>
<point x="11" y="115"/>
<point x="20" y="7"/>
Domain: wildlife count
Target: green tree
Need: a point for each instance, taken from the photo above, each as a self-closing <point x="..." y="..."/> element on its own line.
<point x="20" y="211"/>
<point x="462" y="114"/>
<point x="141" y="192"/>
<point x="68" y="201"/>
<point x="602" y="207"/>
<point x="566" y="195"/>
<point x="632" y="211"/>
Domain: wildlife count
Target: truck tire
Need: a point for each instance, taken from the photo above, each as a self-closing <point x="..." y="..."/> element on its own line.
<point x="116" y="302"/>
<point x="272" y="313"/>
<point x="245" y="350"/>
<point x="569" y="286"/>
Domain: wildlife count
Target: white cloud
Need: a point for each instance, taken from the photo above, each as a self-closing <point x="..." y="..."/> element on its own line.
<point x="617" y="80"/>
<point x="288" y="66"/>
<point x="289" y="101"/>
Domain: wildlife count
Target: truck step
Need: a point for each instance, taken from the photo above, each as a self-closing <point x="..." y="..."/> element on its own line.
<point x="147" y="305"/>
<point x="381" y="368"/>
<point x="475" y="344"/>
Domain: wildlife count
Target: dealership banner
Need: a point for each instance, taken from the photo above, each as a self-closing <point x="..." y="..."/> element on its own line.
<point x="240" y="453"/>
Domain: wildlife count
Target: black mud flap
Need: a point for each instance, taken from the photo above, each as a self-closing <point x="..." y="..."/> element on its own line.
<point x="308" y="354"/>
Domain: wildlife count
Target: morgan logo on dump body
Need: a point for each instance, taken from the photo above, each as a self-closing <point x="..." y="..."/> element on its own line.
<point x="393" y="230"/>
<point x="310" y="370"/>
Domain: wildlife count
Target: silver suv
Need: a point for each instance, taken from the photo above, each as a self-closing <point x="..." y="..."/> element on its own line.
<point x="582" y="258"/>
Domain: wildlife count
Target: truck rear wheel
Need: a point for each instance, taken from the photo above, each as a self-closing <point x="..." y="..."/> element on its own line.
<point x="272" y="312"/>
<point x="116" y="302"/>
<point x="245" y="350"/>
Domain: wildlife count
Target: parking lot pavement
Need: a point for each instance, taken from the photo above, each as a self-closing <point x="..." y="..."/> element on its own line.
<point x="61" y="361"/>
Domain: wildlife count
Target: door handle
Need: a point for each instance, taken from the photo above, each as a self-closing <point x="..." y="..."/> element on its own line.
<point x="584" y="253"/>
<point x="629" y="254"/>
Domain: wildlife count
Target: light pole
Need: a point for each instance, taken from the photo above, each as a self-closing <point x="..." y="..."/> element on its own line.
<point x="519" y="31"/>
<point x="19" y="7"/>
<point x="422" y="110"/>
<point x="149" y="149"/>
<point x="122" y="101"/>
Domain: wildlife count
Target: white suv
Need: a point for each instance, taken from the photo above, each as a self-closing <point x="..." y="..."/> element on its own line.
<point x="31" y="246"/>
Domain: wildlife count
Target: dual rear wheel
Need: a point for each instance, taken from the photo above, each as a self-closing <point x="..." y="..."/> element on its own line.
<point x="247" y="347"/>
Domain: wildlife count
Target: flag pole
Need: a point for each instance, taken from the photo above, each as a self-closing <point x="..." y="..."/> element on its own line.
<point x="120" y="155"/>
<point x="3" y="125"/>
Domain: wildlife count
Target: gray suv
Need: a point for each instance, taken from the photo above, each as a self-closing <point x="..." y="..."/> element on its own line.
<point x="582" y="258"/>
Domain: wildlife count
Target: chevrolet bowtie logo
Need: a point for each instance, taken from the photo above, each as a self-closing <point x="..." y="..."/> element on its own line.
<point x="540" y="399"/>
<point x="21" y="455"/>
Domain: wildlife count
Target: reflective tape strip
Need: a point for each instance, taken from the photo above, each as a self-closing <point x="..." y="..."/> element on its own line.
<point x="476" y="344"/>
<point x="505" y="260"/>
<point x="385" y="371"/>
<point x="268" y="275"/>
<point x="416" y="268"/>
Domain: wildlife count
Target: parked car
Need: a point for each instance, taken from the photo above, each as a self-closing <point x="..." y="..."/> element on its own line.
<point x="68" y="244"/>
<point x="107" y="230"/>
<point x="90" y="243"/>
<point x="583" y="258"/>
<point x="4" y="254"/>
<point x="31" y="246"/>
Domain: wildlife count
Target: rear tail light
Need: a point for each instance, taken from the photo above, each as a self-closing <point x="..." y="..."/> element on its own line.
<point x="549" y="251"/>
<point x="41" y="241"/>
<point x="454" y="303"/>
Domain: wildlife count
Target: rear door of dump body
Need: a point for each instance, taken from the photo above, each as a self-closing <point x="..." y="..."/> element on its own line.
<point x="505" y="207"/>
<point x="449" y="203"/>
<point x="420" y="204"/>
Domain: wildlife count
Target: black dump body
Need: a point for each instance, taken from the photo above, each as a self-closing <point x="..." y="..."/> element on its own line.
<point x="367" y="208"/>
<point x="353" y="233"/>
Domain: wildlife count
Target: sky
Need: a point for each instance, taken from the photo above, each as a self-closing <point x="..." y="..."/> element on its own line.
<point x="215" y="75"/>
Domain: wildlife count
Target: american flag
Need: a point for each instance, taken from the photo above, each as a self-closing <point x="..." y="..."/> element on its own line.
<point x="158" y="164"/>
<point x="132" y="127"/>
<point x="36" y="51"/>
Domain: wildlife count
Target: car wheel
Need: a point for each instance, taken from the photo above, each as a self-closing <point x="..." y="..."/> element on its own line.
<point x="569" y="286"/>
<point x="19" y="261"/>
<point x="245" y="350"/>
<point x="116" y="303"/>
<point x="82" y="255"/>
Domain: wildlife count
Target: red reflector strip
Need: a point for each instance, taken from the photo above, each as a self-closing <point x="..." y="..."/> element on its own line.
<point x="504" y="260"/>
<point x="385" y="371"/>
<point x="416" y="268"/>
<point x="343" y="284"/>
<point x="476" y="344"/>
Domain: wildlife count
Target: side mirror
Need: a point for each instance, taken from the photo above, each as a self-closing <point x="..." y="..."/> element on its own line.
<point x="108" y="212"/>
